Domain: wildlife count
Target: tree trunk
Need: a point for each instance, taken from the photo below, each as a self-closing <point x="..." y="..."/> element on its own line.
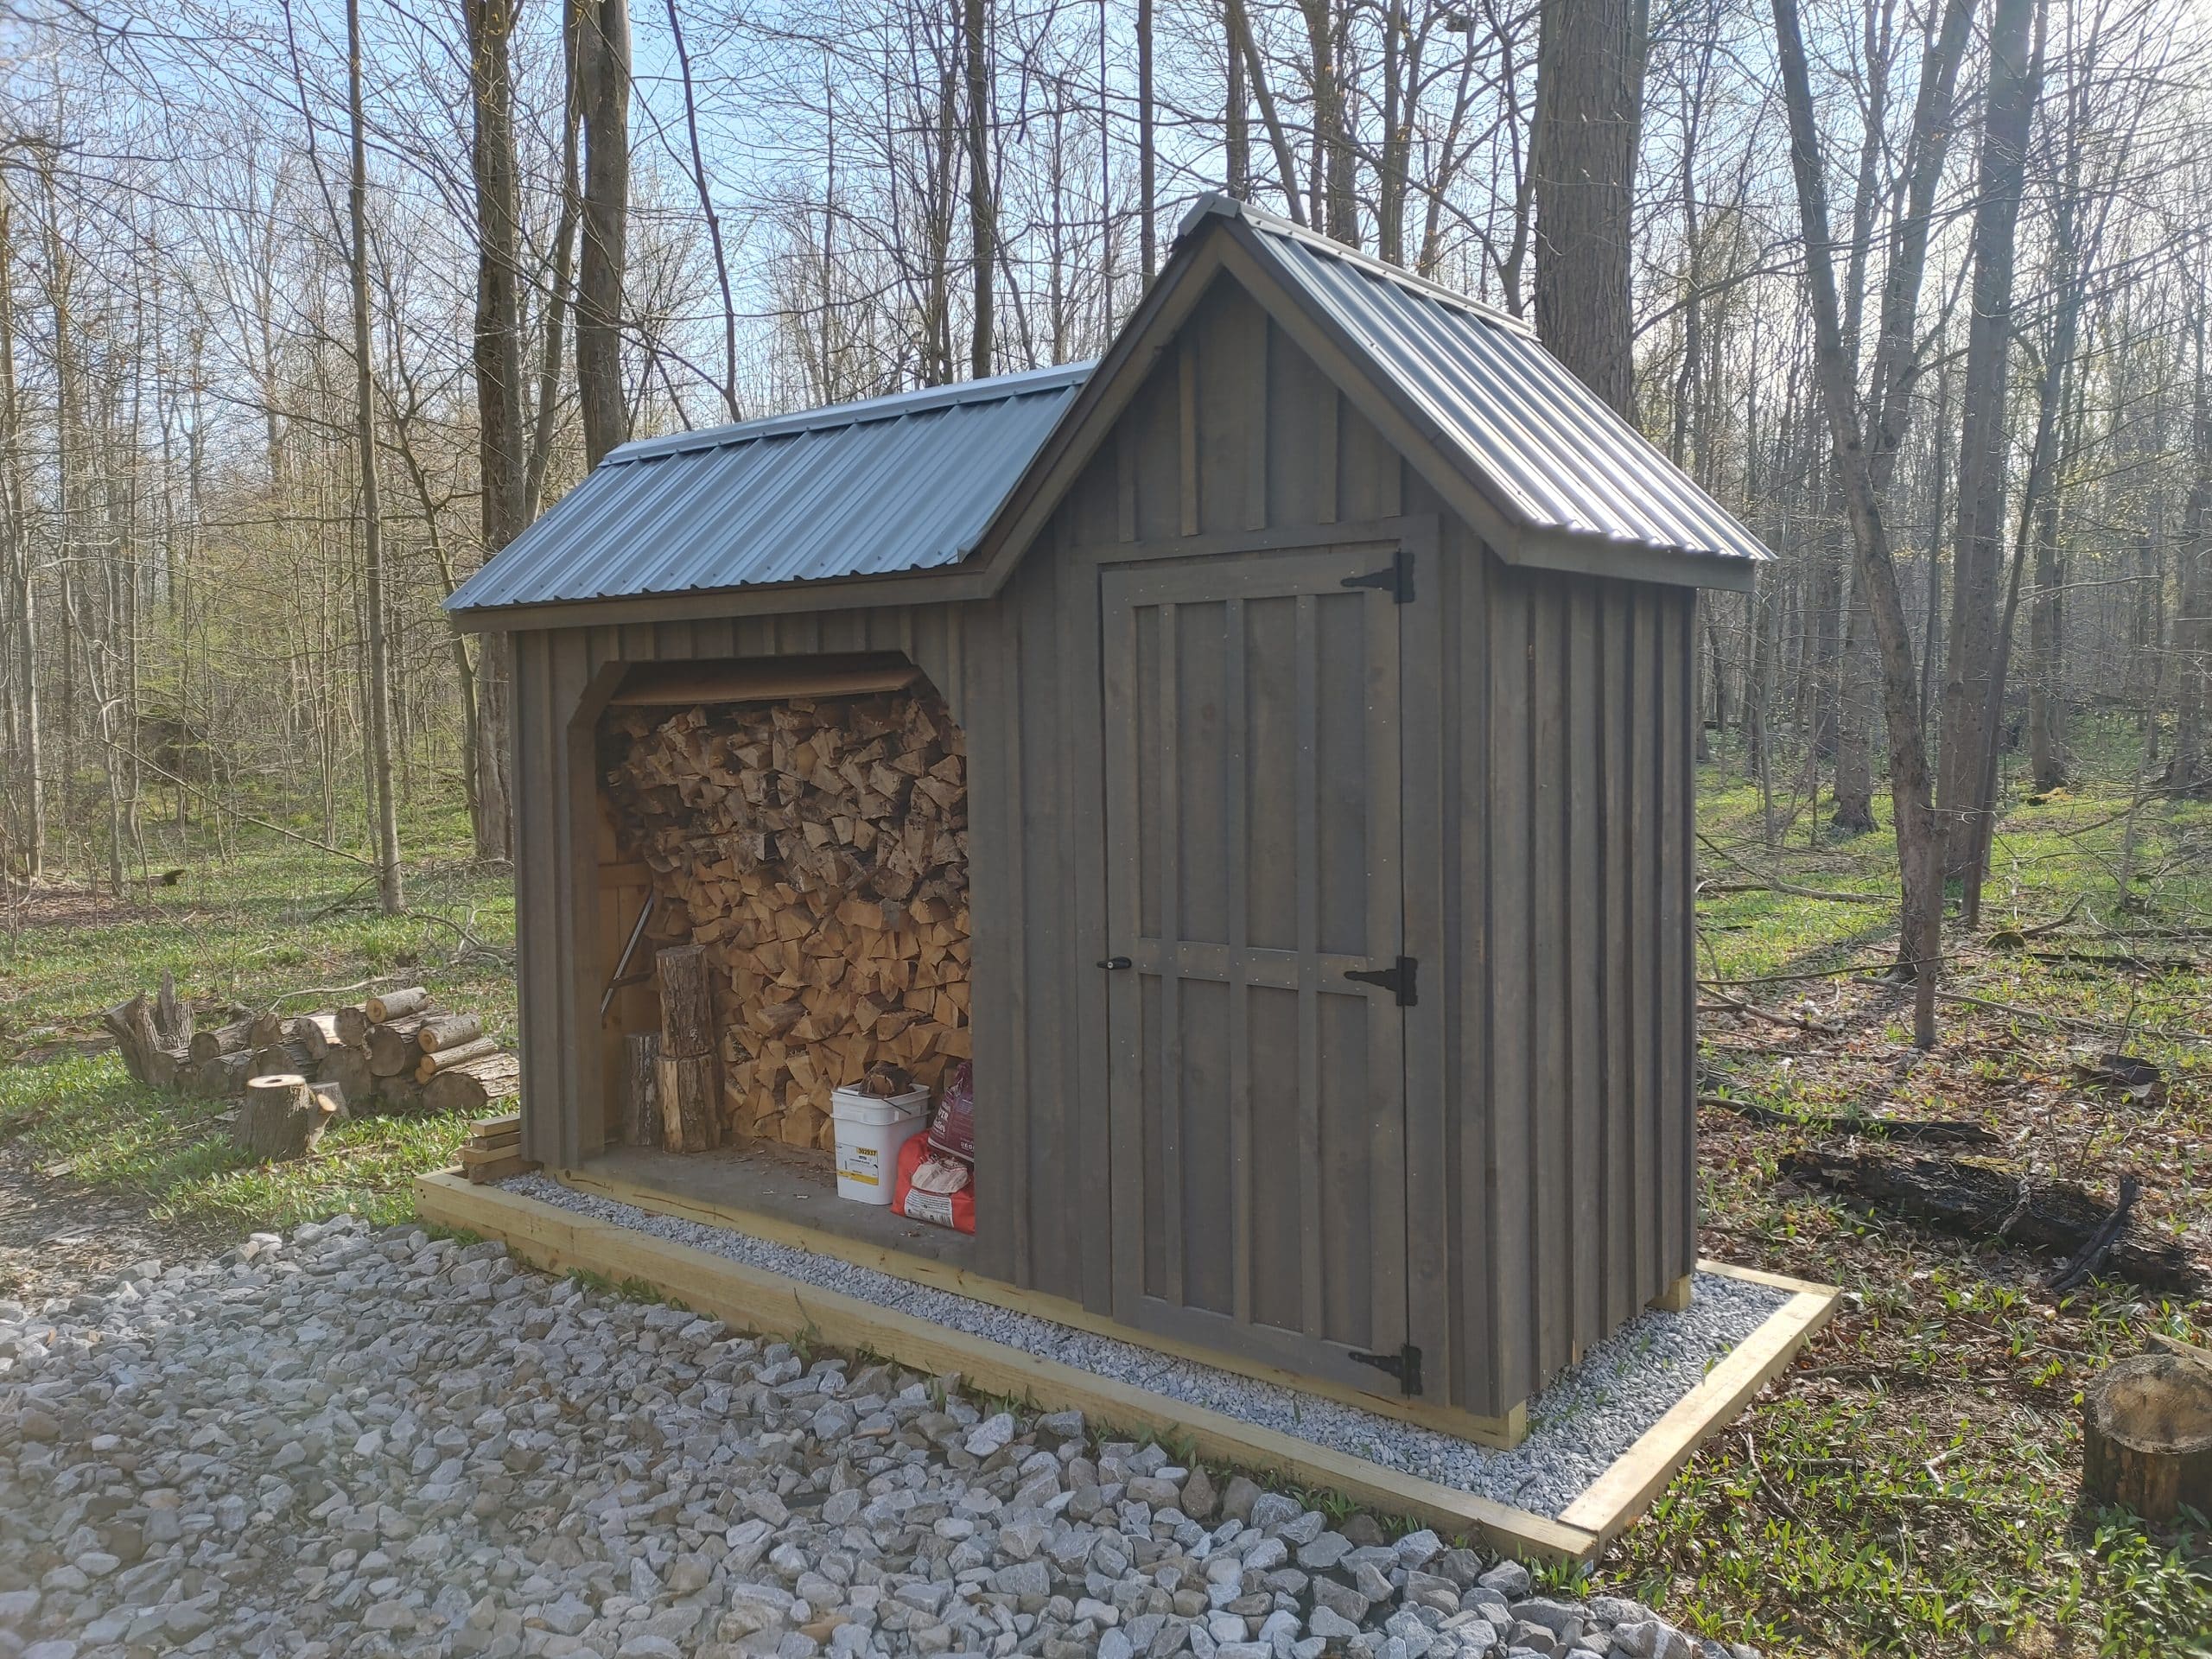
<point x="602" y="54"/>
<point x="2015" y="75"/>
<point x="497" y="356"/>
<point x="390" y="889"/>
<point x="1589" y="104"/>
<point x="1920" y="930"/>
<point x="982" y="212"/>
<point x="1854" y="746"/>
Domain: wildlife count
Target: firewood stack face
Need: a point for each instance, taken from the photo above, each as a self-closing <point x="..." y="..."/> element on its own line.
<point x="819" y="847"/>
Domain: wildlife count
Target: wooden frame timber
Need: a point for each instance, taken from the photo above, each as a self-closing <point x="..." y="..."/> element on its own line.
<point x="558" y="1240"/>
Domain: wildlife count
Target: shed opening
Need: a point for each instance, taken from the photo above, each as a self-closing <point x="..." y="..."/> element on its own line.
<point x="803" y="821"/>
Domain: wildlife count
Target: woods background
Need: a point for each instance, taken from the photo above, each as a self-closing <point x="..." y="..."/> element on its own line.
<point x="515" y="234"/>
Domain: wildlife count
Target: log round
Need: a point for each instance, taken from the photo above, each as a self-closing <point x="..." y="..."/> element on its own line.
<point x="474" y="1085"/>
<point x="446" y="1031"/>
<point x="282" y="1117"/>
<point x="689" y="1095"/>
<point x="641" y="1091"/>
<point x="395" y="1005"/>
<point x="393" y="1051"/>
<point x="2146" y="1440"/>
<point x="348" y="1067"/>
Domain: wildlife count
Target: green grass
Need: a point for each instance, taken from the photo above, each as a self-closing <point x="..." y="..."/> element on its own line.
<point x="276" y="921"/>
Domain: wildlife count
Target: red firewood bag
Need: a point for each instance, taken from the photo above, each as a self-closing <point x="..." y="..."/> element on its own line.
<point x="934" y="1188"/>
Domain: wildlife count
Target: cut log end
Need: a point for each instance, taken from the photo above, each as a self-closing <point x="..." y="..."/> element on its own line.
<point x="2146" y="1442"/>
<point x="282" y="1117"/>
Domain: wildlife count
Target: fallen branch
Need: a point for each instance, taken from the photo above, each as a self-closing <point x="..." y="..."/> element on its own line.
<point x="2091" y="1255"/>
<point x="1988" y="1203"/>
<point x="2071" y="1022"/>
<point x="2005" y="937"/>
<point x="1778" y="885"/>
<point x="1942" y="1132"/>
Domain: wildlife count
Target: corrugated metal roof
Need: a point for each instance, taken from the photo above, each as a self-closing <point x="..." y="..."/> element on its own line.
<point x="902" y="483"/>
<point x="1544" y="447"/>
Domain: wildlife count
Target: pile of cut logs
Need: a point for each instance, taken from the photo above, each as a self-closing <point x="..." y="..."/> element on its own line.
<point x="817" y="849"/>
<point x="397" y="1050"/>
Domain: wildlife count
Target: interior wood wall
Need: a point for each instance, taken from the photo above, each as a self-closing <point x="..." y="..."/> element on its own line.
<point x="1551" y="1176"/>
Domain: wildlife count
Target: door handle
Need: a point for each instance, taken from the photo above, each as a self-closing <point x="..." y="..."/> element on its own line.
<point x="1114" y="963"/>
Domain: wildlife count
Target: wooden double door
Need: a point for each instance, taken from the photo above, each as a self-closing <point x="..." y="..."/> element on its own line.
<point x="1255" y="719"/>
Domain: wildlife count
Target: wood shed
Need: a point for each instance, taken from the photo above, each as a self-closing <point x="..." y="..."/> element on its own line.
<point x="1295" y="716"/>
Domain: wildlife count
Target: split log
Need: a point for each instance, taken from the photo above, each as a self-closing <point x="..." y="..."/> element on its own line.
<point x="395" y="1005"/>
<point x="282" y="1117"/>
<point x="687" y="1002"/>
<point x="234" y="1039"/>
<point x="446" y="1031"/>
<point x="334" y="1097"/>
<point x="317" y="1032"/>
<point x="348" y="1067"/>
<point x="2146" y="1440"/>
<point x="816" y="849"/>
<point x="1985" y="1202"/>
<point x="641" y="1125"/>
<point x="473" y="1086"/>
<point x="392" y="1048"/>
<point x="689" y="1093"/>
<point x="431" y="1064"/>
<point x="223" y="1075"/>
<point x="354" y="1024"/>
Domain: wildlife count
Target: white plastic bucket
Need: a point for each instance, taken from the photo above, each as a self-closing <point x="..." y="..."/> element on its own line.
<point x="870" y="1132"/>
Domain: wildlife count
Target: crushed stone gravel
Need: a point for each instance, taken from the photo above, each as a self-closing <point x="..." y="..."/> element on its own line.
<point x="372" y="1443"/>
<point x="1577" y="1425"/>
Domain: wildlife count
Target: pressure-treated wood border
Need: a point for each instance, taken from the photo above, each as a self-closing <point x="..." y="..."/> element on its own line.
<point x="748" y="1298"/>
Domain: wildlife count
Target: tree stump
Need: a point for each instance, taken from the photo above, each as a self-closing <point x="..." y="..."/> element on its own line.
<point x="688" y="1088"/>
<point x="641" y="1089"/>
<point x="2146" y="1440"/>
<point x="282" y="1117"/>
<point x="687" y="1002"/>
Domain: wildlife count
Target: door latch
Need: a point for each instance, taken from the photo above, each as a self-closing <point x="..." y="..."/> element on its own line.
<point x="1398" y="980"/>
<point x="1113" y="962"/>
<point x="1405" y="1365"/>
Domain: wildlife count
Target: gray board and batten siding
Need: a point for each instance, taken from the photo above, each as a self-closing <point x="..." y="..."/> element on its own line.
<point x="1179" y="715"/>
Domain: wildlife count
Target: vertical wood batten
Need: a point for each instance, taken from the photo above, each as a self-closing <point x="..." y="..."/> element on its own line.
<point x="1548" y="1014"/>
<point x="1584" y="896"/>
<point x="1511" y="900"/>
<point x="1625" y="1193"/>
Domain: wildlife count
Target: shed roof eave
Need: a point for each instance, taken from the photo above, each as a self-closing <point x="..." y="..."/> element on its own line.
<point x="933" y="585"/>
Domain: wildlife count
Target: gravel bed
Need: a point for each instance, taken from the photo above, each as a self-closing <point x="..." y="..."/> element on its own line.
<point x="374" y="1443"/>
<point x="1587" y="1417"/>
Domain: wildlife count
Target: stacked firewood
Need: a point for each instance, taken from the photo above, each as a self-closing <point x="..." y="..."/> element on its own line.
<point x="817" y="849"/>
<point x="397" y="1052"/>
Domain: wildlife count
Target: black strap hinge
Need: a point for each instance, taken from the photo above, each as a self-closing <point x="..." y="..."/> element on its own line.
<point x="1405" y="1365"/>
<point x="1397" y="580"/>
<point x="1399" y="979"/>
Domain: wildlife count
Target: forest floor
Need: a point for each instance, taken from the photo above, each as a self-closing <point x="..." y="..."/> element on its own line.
<point x="1911" y="1486"/>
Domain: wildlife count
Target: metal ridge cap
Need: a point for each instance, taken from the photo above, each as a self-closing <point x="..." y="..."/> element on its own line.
<point x="1214" y="204"/>
<point x="1022" y="384"/>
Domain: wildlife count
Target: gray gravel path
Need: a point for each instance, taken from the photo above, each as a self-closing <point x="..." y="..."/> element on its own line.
<point x="1586" y="1417"/>
<point x="373" y="1443"/>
